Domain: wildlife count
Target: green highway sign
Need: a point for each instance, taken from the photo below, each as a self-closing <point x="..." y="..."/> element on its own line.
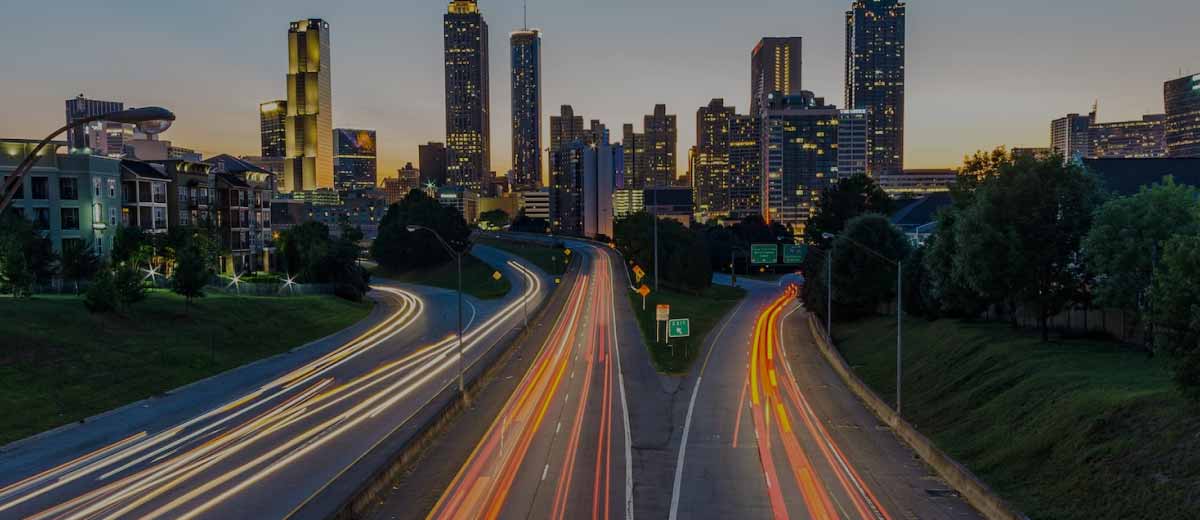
<point x="679" y="328"/>
<point x="794" y="253"/>
<point x="764" y="253"/>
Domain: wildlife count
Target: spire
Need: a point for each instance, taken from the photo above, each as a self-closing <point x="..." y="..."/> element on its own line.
<point x="525" y="14"/>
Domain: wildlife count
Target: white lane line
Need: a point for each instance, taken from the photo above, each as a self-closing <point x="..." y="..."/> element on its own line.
<point x="624" y="404"/>
<point x="687" y="423"/>
<point x="544" y="471"/>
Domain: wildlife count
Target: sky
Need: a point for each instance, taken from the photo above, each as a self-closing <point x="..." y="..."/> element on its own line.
<point x="980" y="73"/>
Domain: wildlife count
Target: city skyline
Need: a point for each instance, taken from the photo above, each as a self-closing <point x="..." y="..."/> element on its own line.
<point x="403" y="101"/>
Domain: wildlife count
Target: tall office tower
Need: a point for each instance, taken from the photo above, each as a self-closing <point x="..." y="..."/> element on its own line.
<point x="745" y="166"/>
<point x="582" y="187"/>
<point x="272" y="124"/>
<point x="1182" y="100"/>
<point x="875" y="77"/>
<point x="710" y="163"/>
<point x="102" y="137"/>
<point x="800" y="157"/>
<point x="526" y="110"/>
<point x="431" y="159"/>
<point x="650" y="156"/>
<point x="636" y="158"/>
<point x="565" y="128"/>
<point x="468" y="102"/>
<point x="1139" y="139"/>
<point x="774" y="67"/>
<point x="354" y="159"/>
<point x="1070" y="135"/>
<point x="853" y="143"/>
<point x="309" y="153"/>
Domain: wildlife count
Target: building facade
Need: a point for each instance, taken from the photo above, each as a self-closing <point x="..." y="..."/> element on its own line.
<point x="650" y="156"/>
<point x="526" y="109"/>
<point x="468" y="101"/>
<point x="537" y="204"/>
<point x="800" y="157"/>
<point x="918" y="183"/>
<point x="354" y="159"/>
<point x="854" y="150"/>
<point x="101" y="137"/>
<point x="272" y="125"/>
<point x="191" y="194"/>
<point x="775" y="66"/>
<point x="309" y="125"/>
<point x="431" y="160"/>
<point x="1181" y="98"/>
<point x="710" y="162"/>
<point x="243" y="214"/>
<point x="1070" y="136"/>
<point x="875" y="57"/>
<point x="1141" y="139"/>
<point x="565" y="128"/>
<point x="461" y="199"/>
<point x="144" y="196"/>
<point x="745" y="166"/>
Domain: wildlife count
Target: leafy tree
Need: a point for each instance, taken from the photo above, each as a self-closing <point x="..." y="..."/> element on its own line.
<point x="79" y="262"/>
<point x="398" y="250"/>
<point x="849" y="198"/>
<point x="191" y="273"/>
<point x="101" y="296"/>
<point x="683" y="254"/>
<point x="864" y="275"/>
<point x="524" y="224"/>
<point x="494" y="219"/>
<point x="1018" y="242"/>
<point x="26" y="256"/>
<point x="312" y="255"/>
<point x="132" y="245"/>
<point x="1127" y="231"/>
<point x="1175" y="309"/>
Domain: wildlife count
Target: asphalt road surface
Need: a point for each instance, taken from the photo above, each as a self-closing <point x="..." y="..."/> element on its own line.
<point x="266" y="440"/>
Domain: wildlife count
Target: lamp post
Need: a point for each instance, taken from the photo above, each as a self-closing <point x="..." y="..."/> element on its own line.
<point x="150" y="119"/>
<point x="462" y="387"/>
<point x="899" y="304"/>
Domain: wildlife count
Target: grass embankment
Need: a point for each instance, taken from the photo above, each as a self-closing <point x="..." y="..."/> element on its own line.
<point x="546" y="258"/>
<point x="1079" y="429"/>
<point x="704" y="311"/>
<point x="60" y="364"/>
<point x="477" y="278"/>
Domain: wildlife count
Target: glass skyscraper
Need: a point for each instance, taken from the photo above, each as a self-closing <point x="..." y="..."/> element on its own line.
<point x="775" y="66"/>
<point x="526" y="109"/>
<point x="875" y="78"/>
<point x="468" y="102"/>
<point x="354" y="159"/>
<point x="800" y="154"/>
<point x="1182" y="99"/>
<point x="309" y="158"/>
<point x="272" y="117"/>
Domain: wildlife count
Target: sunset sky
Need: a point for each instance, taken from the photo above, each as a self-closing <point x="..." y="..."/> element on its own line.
<point x="980" y="74"/>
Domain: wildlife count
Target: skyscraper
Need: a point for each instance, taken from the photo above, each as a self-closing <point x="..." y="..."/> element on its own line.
<point x="853" y="143"/>
<point x="309" y="155"/>
<point x="1070" y="135"/>
<point x="354" y="159"/>
<point x="636" y="165"/>
<point x="710" y="164"/>
<point x="774" y="67"/>
<point x="1139" y="139"/>
<point x="650" y="156"/>
<point x="875" y="77"/>
<point x="745" y="166"/>
<point x="102" y="137"/>
<point x="526" y="109"/>
<point x="800" y="157"/>
<point x="431" y="159"/>
<point x="565" y="128"/>
<point x="468" y="102"/>
<point x="582" y="187"/>
<point x="272" y="124"/>
<point x="1182" y="100"/>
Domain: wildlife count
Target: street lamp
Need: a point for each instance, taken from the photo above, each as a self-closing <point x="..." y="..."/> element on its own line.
<point x="899" y="303"/>
<point x="152" y="120"/>
<point x="462" y="388"/>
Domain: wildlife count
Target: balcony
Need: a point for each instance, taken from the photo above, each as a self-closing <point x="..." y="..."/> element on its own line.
<point x="160" y="198"/>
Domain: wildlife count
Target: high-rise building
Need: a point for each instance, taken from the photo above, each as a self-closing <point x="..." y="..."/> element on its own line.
<point x="354" y="159"/>
<point x="272" y="124"/>
<point x="800" y="157"/>
<point x="775" y="65"/>
<point x="1032" y="152"/>
<point x="565" y="128"/>
<point x="406" y="180"/>
<point x="431" y="159"/>
<point x="101" y="137"/>
<point x="468" y="102"/>
<point x="1140" y="139"/>
<point x="853" y="143"/>
<point x="745" y="166"/>
<point x="309" y="127"/>
<point x="583" y="185"/>
<point x="1070" y="135"/>
<point x="636" y="163"/>
<point x="650" y="156"/>
<point x="710" y="163"/>
<point x="526" y="109"/>
<point x="875" y="77"/>
<point x="1182" y="100"/>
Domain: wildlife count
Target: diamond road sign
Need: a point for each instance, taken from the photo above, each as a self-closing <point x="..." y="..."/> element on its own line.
<point x="794" y="253"/>
<point x="679" y="328"/>
<point x="761" y="254"/>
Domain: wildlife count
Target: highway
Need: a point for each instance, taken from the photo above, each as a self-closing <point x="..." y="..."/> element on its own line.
<point x="560" y="448"/>
<point x="277" y="448"/>
<point x="770" y="432"/>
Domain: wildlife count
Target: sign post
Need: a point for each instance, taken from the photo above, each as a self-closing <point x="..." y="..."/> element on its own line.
<point x="680" y="328"/>
<point x="764" y="254"/>
<point x="644" y="291"/>
<point x="794" y="253"/>
<point x="662" y="314"/>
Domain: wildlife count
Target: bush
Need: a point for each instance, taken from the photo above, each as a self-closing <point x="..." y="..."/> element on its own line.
<point x="101" y="295"/>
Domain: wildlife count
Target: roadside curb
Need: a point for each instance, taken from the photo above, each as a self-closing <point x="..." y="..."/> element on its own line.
<point x="970" y="487"/>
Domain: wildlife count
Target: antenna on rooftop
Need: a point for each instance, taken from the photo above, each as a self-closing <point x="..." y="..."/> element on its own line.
<point x="525" y="13"/>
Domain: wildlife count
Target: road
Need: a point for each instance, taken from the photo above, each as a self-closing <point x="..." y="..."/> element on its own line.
<point x="771" y="432"/>
<point x="269" y="441"/>
<point x="560" y="448"/>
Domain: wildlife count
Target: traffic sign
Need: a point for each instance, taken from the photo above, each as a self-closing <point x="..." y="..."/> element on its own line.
<point x="794" y="253"/>
<point x="761" y="254"/>
<point x="567" y="252"/>
<point x="638" y="273"/>
<point x="679" y="328"/>
<point x="644" y="291"/>
<point x="496" y="276"/>
<point x="663" y="312"/>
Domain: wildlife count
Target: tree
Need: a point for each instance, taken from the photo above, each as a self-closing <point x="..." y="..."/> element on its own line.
<point x="191" y="273"/>
<point x="101" y="295"/>
<point x="115" y="289"/>
<point x="1127" y="234"/>
<point x="864" y="275"/>
<point x="1175" y="309"/>
<point x="849" y="198"/>
<point x="524" y="224"/>
<point x="26" y="256"/>
<point x="683" y="255"/>
<point x="398" y="250"/>
<point x="1018" y="241"/>
<point x="79" y="262"/>
<point x="312" y="255"/>
<point x="131" y="245"/>
<point x="494" y="219"/>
